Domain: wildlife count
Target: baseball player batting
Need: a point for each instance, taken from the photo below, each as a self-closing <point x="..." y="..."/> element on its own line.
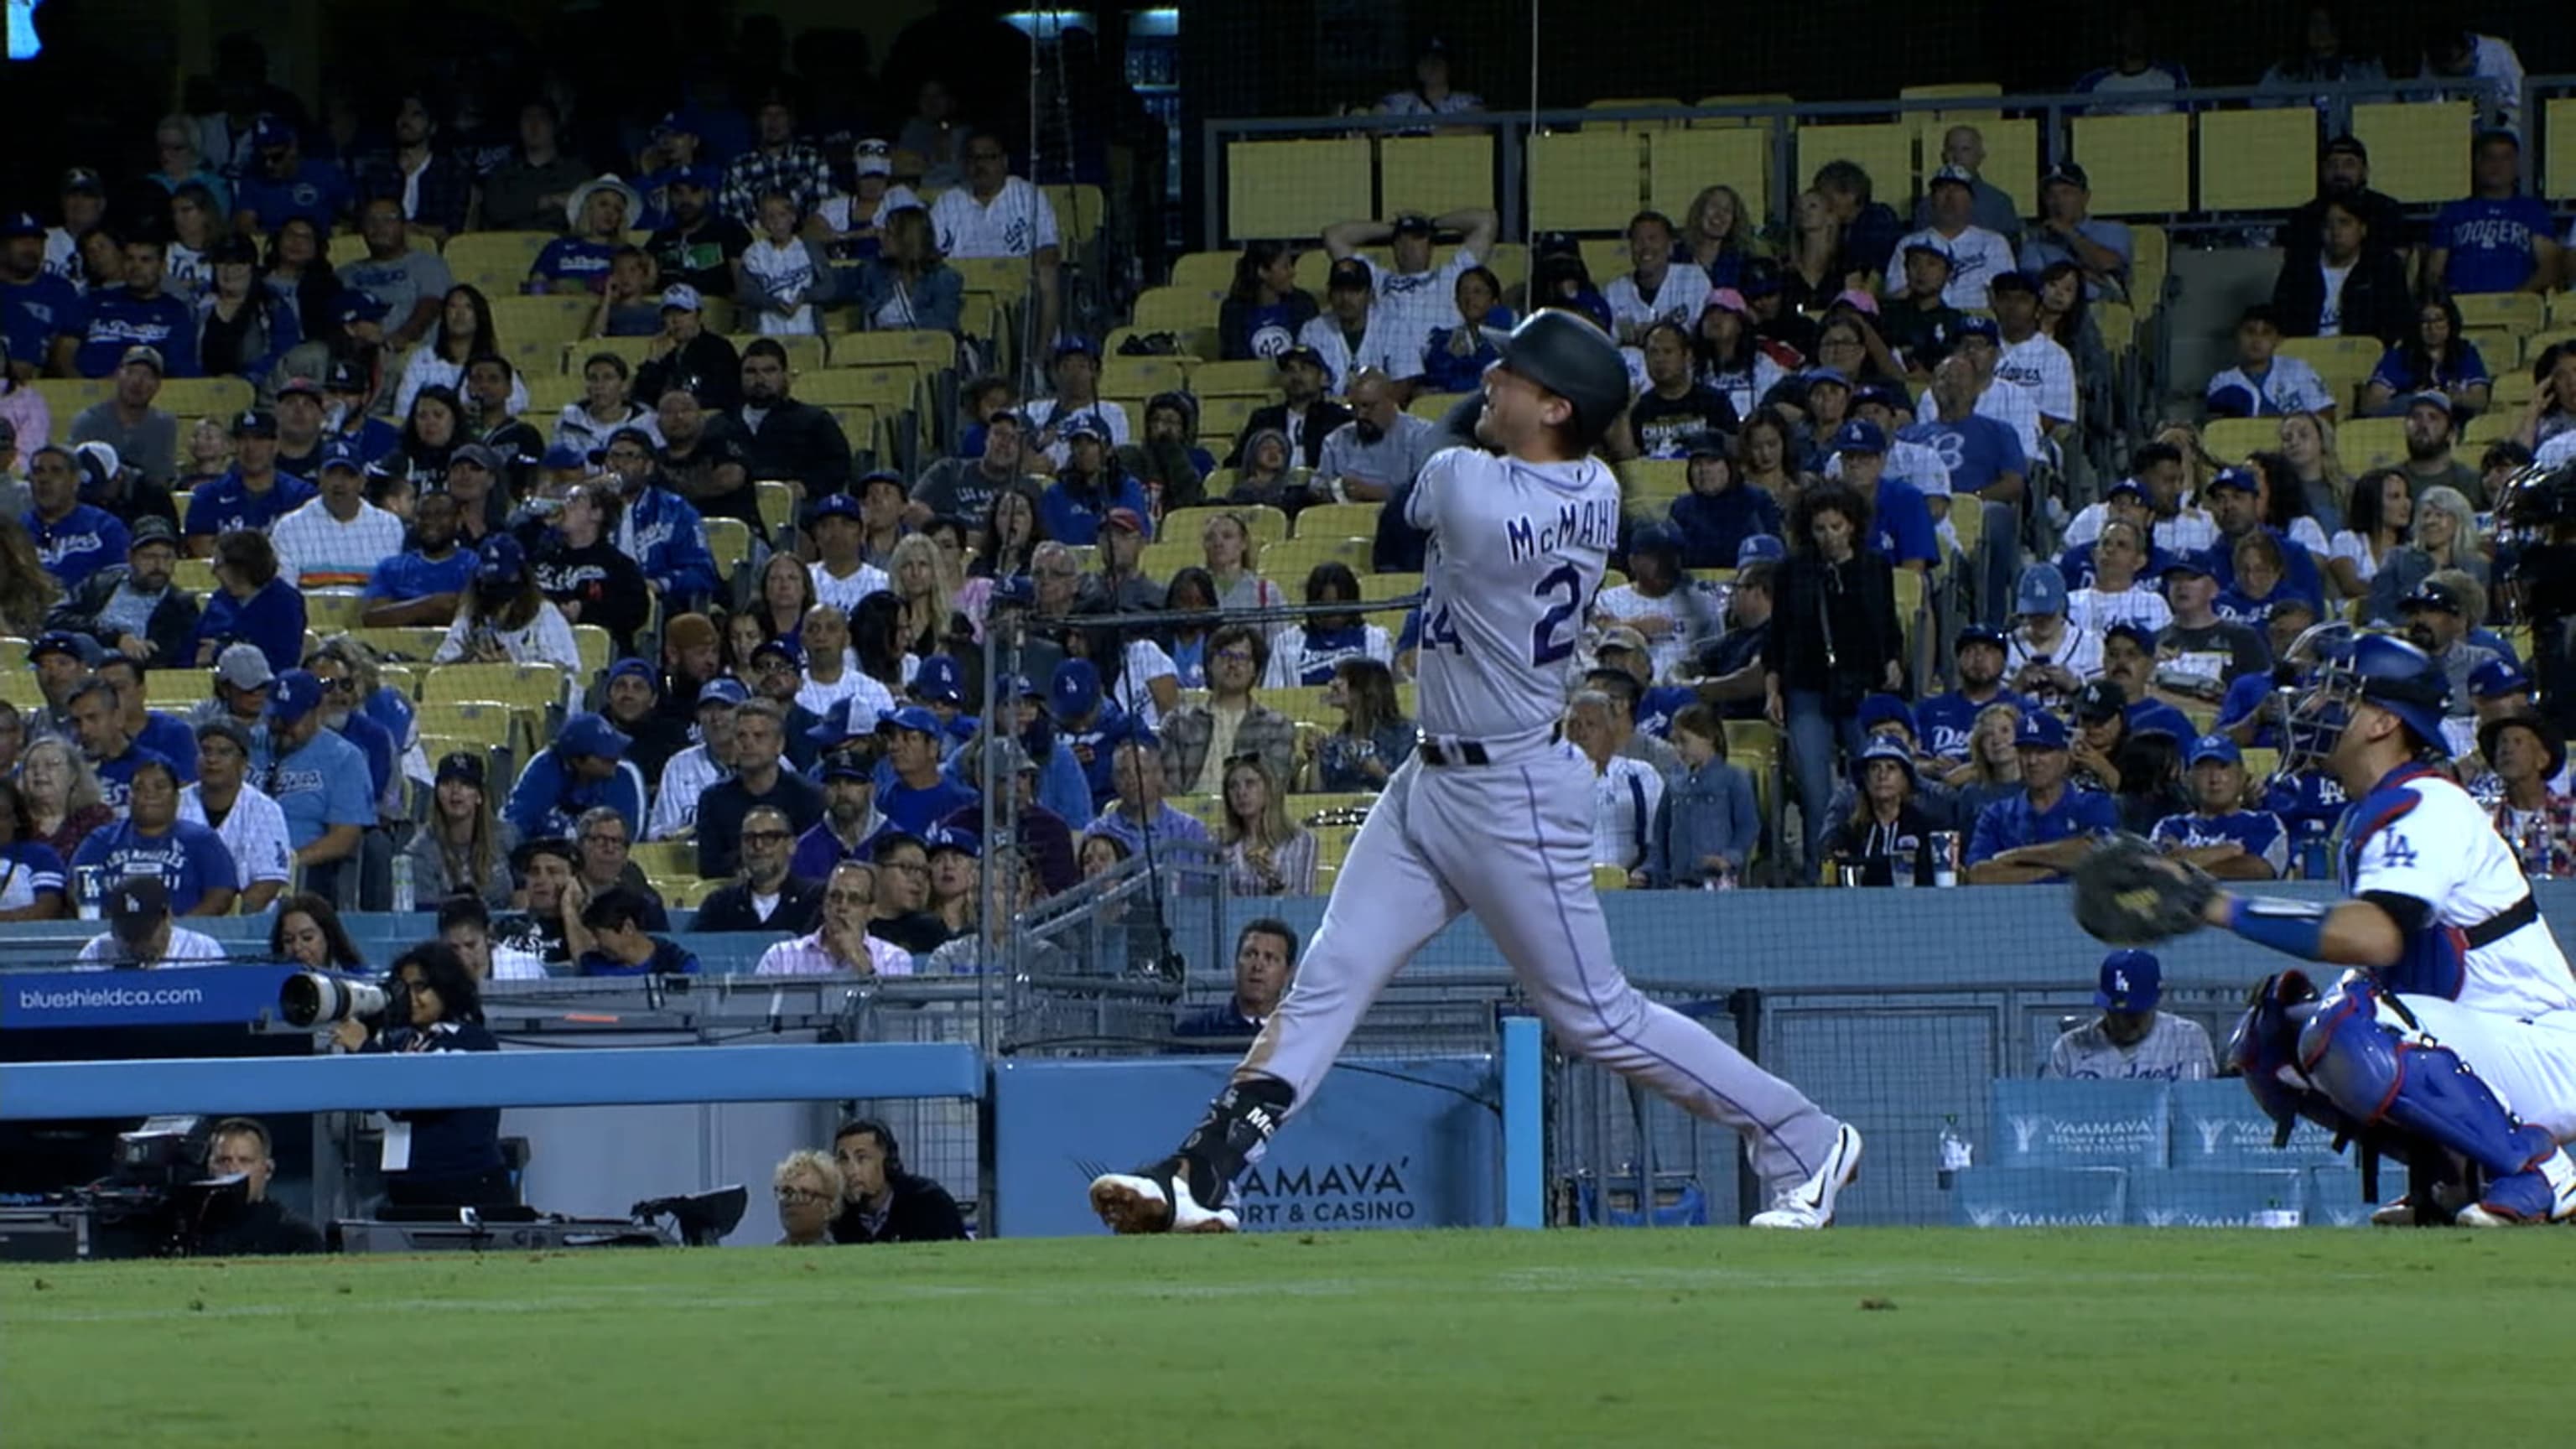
<point x="2456" y="1029"/>
<point x="1493" y="814"/>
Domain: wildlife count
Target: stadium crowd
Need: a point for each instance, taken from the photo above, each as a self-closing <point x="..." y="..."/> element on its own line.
<point x="336" y="594"/>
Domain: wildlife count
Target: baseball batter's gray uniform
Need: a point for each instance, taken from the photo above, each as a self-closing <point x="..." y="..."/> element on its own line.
<point x="1494" y="816"/>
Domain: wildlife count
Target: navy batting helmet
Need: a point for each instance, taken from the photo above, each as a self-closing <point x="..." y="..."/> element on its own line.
<point x="1568" y="356"/>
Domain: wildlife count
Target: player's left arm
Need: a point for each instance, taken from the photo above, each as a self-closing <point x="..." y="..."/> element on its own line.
<point x="2395" y="882"/>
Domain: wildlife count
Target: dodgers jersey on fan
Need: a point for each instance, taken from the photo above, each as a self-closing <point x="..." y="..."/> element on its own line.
<point x="2259" y="831"/>
<point x="1517" y="551"/>
<point x="2417" y="834"/>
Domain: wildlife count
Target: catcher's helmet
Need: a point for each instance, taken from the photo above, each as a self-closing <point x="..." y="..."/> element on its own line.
<point x="1574" y="359"/>
<point x="2386" y="671"/>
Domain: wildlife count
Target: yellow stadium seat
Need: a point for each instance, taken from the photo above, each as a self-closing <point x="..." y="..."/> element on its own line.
<point x="1245" y="378"/>
<point x="1435" y="175"/>
<point x="2344" y="363"/>
<point x="523" y="685"/>
<point x="1585" y="180"/>
<point x="1682" y="163"/>
<point x="1339" y="520"/>
<point x="1079" y="210"/>
<point x="1287" y="563"/>
<point x="1296" y="188"/>
<point x="889" y="389"/>
<point x="2231" y="440"/>
<point x="1221" y="417"/>
<point x="197" y="397"/>
<point x="1604" y="257"/>
<point x="551" y="392"/>
<point x="597" y="649"/>
<point x="1142" y="377"/>
<point x="2118" y="322"/>
<point x="1380" y="588"/>
<point x="2522" y="313"/>
<point x="1949" y="90"/>
<point x="169" y="688"/>
<point x="2512" y="389"/>
<point x="331" y="613"/>
<point x="1884" y="149"/>
<point x="539" y="326"/>
<point x="348" y="247"/>
<point x="483" y="723"/>
<point x="13" y="651"/>
<point x="1171" y="553"/>
<point x="194" y="576"/>
<point x="665" y="859"/>
<point x="776" y="501"/>
<point x="2257" y="160"/>
<point x="65" y="396"/>
<point x="929" y="352"/>
<point x="1743" y="123"/>
<point x="414" y="642"/>
<point x="497" y="262"/>
<point x="694" y="893"/>
<point x="2559" y="113"/>
<point x="804" y="354"/>
<point x="1208" y="810"/>
<point x="2139" y="165"/>
<point x="1653" y="483"/>
<point x="2151" y="256"/>
<point x="2487" y="428"/>
<point x="1433" y="406"/>
<point x="2371" y="442"/>
<point x="1205" y="271"/>
<point x="2419" y="150"/>
<point x="729" y="541"/>
<point x="1169" y="309"/>
<point x="2500" y="348"/>
<point x="1509" y="262"/>
<point x="1264" y="523"/>
<point x="1969" y="524"/>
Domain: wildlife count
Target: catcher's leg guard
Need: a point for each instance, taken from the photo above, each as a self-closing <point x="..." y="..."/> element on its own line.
<point x="2371" y="1060"/>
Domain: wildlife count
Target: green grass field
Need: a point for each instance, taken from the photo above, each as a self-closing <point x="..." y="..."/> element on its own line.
<point x="1855" y="1337"/>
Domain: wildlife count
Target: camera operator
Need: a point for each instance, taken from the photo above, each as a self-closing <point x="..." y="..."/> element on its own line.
<point x="447" y="1157"/>
<point x="239" y="1148"/>
<point x="139" y="933"/>
<point x="882" y="1203"/>
<point x="2539" y="510"/>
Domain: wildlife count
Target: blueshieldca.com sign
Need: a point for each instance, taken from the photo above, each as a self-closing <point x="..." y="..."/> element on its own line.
<point x="1410" y="1143"/>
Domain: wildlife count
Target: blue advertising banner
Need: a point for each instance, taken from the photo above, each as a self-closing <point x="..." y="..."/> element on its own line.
<point x="193" y="996"/>
<point x="1400" y="1143"/>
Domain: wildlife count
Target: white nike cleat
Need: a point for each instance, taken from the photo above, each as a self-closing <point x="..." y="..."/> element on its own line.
<point x="2543" y="1193"/>
<point x="1810" y="1205"/>
<point x="1130" y="1203"/>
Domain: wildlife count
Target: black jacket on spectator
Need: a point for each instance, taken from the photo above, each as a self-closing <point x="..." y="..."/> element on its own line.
<point x="653" y="740"/>
<point x="1860" y="594"/>
<point x="709" y="365"/>
<point x="796" y="440"/>
<point x="2302" y="237"/>
<point x="172" y="623"/>
<point x="918" y="932"/>
<point x="446" y="187"/>
<point x="265" y="1229"/>
<point x="721" y="809"/>
<point x="700" y="255"/>
<point x="800" y="905"/>
<point x="1322" y="416"/>
<point x="2375" y="300"/>
<point x="1043" y="837"/>
<point x="922" y="1212"/>
<point x="455" y="1153"/>
<point x="608" y="585"/>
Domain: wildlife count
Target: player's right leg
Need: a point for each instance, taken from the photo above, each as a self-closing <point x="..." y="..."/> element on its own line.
<point x="2379" y="1060"/>
<point x="1386" y="902"/>
<point x="1536" y="900"/>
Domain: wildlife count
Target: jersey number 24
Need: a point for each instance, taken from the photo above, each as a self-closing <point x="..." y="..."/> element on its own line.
<point x="1550" y="640"/>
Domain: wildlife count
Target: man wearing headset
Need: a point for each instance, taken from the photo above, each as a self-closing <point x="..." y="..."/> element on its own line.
<point x="882" y="1203"/>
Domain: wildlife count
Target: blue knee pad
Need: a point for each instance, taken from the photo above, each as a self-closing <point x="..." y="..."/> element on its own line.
<point x="2369" y="1059"/>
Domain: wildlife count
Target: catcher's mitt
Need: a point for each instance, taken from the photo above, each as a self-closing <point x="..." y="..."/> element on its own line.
<point x="2127" y="894"/>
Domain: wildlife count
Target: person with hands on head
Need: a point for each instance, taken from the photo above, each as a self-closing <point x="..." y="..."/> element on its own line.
<point x="2042" y="833"/>
<point x="585" y="766"/>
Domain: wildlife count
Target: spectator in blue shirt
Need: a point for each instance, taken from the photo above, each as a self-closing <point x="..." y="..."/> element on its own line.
<point x="36" y="306"/>
<point x="920" y="795"/>
<point x="187" y="858"/>
<point x="658" y="528"/>
<point x="115" y="320"/>
<point x="1949" y="719"/>
<point x="420" y="586"/>
<point x="2043" y="832"/>
<point x="157" y="733"/>
<point x="253" y="494"/>
<point x="1138" y="809"/>
<point x="2496" y="239"/>
<point x="252" y="605"/>
<point x="98" y="726"/>
<point x="2434" y="357"/>
<point x="280" y="183"/>
<point x="585" y="767"/>
<point x="1902" y="522"/>
<point x="73" y="539"/>
<point x="318" y="780"/>
<point x="2220" y="835"/>
<point x="619" y="944"/>
<point x="597" y="214"/>
<point x="1089" y="487"/>
<point x="1089" y="724"/>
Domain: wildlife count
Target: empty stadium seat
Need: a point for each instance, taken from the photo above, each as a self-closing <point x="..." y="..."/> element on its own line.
<point x="1287" y="562"/>
<point x="1435" y="175"/>
<point x="2139" y="165"/>
<point x="1293" y="188"/>
<point x="2230" y="440"/>
<point x="1680" y="163"/>
<point x="1205" y="271"/>
<point x="2344" y="363"/>
<point x="2257" y="160"/>
<point x="1253" y="377"/>
<point x="194" y="397"/>
<point x="2521" y="313"/>
<point x="1585" y="180"/>
<point x="1884" y="149"/>
<point x="2371" y="443"/>
<point x="1339" y="520"/>
<point x="927" y="352"/>
<point x="495" y="261"/>
<point x="1142" y="376"/>
<point x="2419" y="150"/>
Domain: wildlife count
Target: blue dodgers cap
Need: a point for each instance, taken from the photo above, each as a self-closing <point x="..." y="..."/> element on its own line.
<point x="2040" y="730"/>
<point x="1827" y="377"/>
<point x="2214" y="747"/>
<point x="1967" y="327"/>
<point x="1886" y="395"/>
<point x="727" y="692"/>
<point x="1070" y="345"/>
<point x="2041" y="589"/>
<point x="60" y="641"/>
<point x="2184" y="563"/>
<point x="1882" y="749"/>
<point x="833" y="505"/>
<point x="911" y="717"/>
<point x="2492" y="680"/>
<point x="356" y="306"/>
<point x="845" y="765"/>
<point x="834" y="729"/>
<point x="633" y="668"/>
<point x="939" y="680"/>
<point x="339" y="453"/>
<point x="500" y="564"/>
<point x="589" y="734"/>
<point x="964" y="842"/>
<point x="2131" y="981"/>
<point x="1878" y="709"/>
<point x="20" y="223"/>
<point x="293" y="695"/>
<point x="563" y="456"/>
<point x="2240" y="478"/>
<point x="271" y="130"/>
<point x="1075" y="690"/>
<point x="2133" y="631"/>
<point x="2130" y="486"/>
<point x="1760" y="546"/>
<point x="1980" y="634"/>
<point x="781" y="649"/>
<point x="1860" y="435"/>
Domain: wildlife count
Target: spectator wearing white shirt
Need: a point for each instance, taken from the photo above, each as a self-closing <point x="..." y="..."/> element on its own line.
<point x="2263" y="384"/>
<point x="1414" y="297"/>
<point x="2489" y="65"/>
<point x="1346" y="337"/>
<point x="996" y="214"/>
<point x="1654" y="290"/>
<point x="840" y="944"/>
<point x="1625" y="791"/>
<point x="501" y="618"/>
<point x="249" y="823"/>
<point x="2139" y="80"/>
<point x="1663" y="606"/>
<point x="333" y="543"/>
<point x="2046" y="658"/>
<point x="1980" y="346"/>
<point x="2119" y="592"/>
<point x="1308" y="655"/>
<point x="1977" y="256"/>
<point x="2176" y="526"/>
<point x="2027" y="357"/>
<point x="140" y="933"/>
<point x="1074" y="367"/>
<point x="607" y="407"/>
<point x="841" y="573"/>
<point x="695" y="770"/>
<point x="850" y="226"/>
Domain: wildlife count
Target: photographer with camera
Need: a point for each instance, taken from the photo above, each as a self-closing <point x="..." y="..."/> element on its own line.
<point x="239" y="1147"/>
<point x="436" y="1158"/>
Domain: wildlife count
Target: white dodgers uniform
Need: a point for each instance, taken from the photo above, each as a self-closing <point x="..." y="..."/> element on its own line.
<point x="1493" y="815"/>
<point x="2505" y="1002"/>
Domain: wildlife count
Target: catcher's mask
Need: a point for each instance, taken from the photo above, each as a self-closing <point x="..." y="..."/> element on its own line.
<point x="2378" y="669"/>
